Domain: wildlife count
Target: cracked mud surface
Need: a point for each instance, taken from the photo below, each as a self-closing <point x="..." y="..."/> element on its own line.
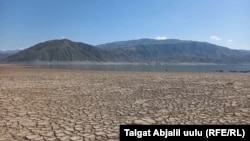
<point x="60" y="105"/>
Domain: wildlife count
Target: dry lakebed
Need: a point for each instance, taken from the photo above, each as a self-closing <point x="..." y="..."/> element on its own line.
<point x="41" y="104"/>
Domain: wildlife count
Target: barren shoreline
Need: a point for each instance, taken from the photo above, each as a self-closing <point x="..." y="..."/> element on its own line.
<point x="62" y="104"/>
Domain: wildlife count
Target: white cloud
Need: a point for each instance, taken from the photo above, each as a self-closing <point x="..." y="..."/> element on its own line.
<point x="160" y="37"/>
<point x="229" y="40"/>
<point x="214" y="37"/>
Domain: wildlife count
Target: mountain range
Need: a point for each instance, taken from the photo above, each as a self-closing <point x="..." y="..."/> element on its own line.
<point x="174" y="50"/>
<point x="142" y="50"/>
<point x="5" y="53"/>
<point x="60" y="50"/>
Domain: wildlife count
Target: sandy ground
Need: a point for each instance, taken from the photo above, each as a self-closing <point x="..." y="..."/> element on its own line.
<point x="53" y="105"/>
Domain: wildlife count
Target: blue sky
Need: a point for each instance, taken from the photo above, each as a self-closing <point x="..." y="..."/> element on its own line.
<point x="24" y="23"/>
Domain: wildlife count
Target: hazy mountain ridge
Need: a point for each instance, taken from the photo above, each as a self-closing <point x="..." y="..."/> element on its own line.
<point x="3" y="55"/>
<point x="143" y="50"/>
<point x="6" y="53"/>
<point x="143" y="41"/>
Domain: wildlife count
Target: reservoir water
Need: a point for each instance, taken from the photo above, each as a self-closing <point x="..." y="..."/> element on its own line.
<point x="156" y="68"/>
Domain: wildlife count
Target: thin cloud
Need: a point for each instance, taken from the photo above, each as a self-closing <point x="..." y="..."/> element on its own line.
<point x="214" y="37"/>
<point x="230" y="41"/>
<point x="160" y="37"/>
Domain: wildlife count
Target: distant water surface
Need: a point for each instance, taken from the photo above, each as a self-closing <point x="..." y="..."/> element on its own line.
<point x="156" y="68"/>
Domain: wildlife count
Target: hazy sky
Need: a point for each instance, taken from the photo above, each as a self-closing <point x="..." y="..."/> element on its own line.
<point x="24" y="23"/>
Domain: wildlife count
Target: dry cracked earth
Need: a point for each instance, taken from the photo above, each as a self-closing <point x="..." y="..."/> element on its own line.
<point x="60" y="105"/>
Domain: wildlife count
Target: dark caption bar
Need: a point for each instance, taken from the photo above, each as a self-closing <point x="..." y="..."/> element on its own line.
<point x="187" y="132"/>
